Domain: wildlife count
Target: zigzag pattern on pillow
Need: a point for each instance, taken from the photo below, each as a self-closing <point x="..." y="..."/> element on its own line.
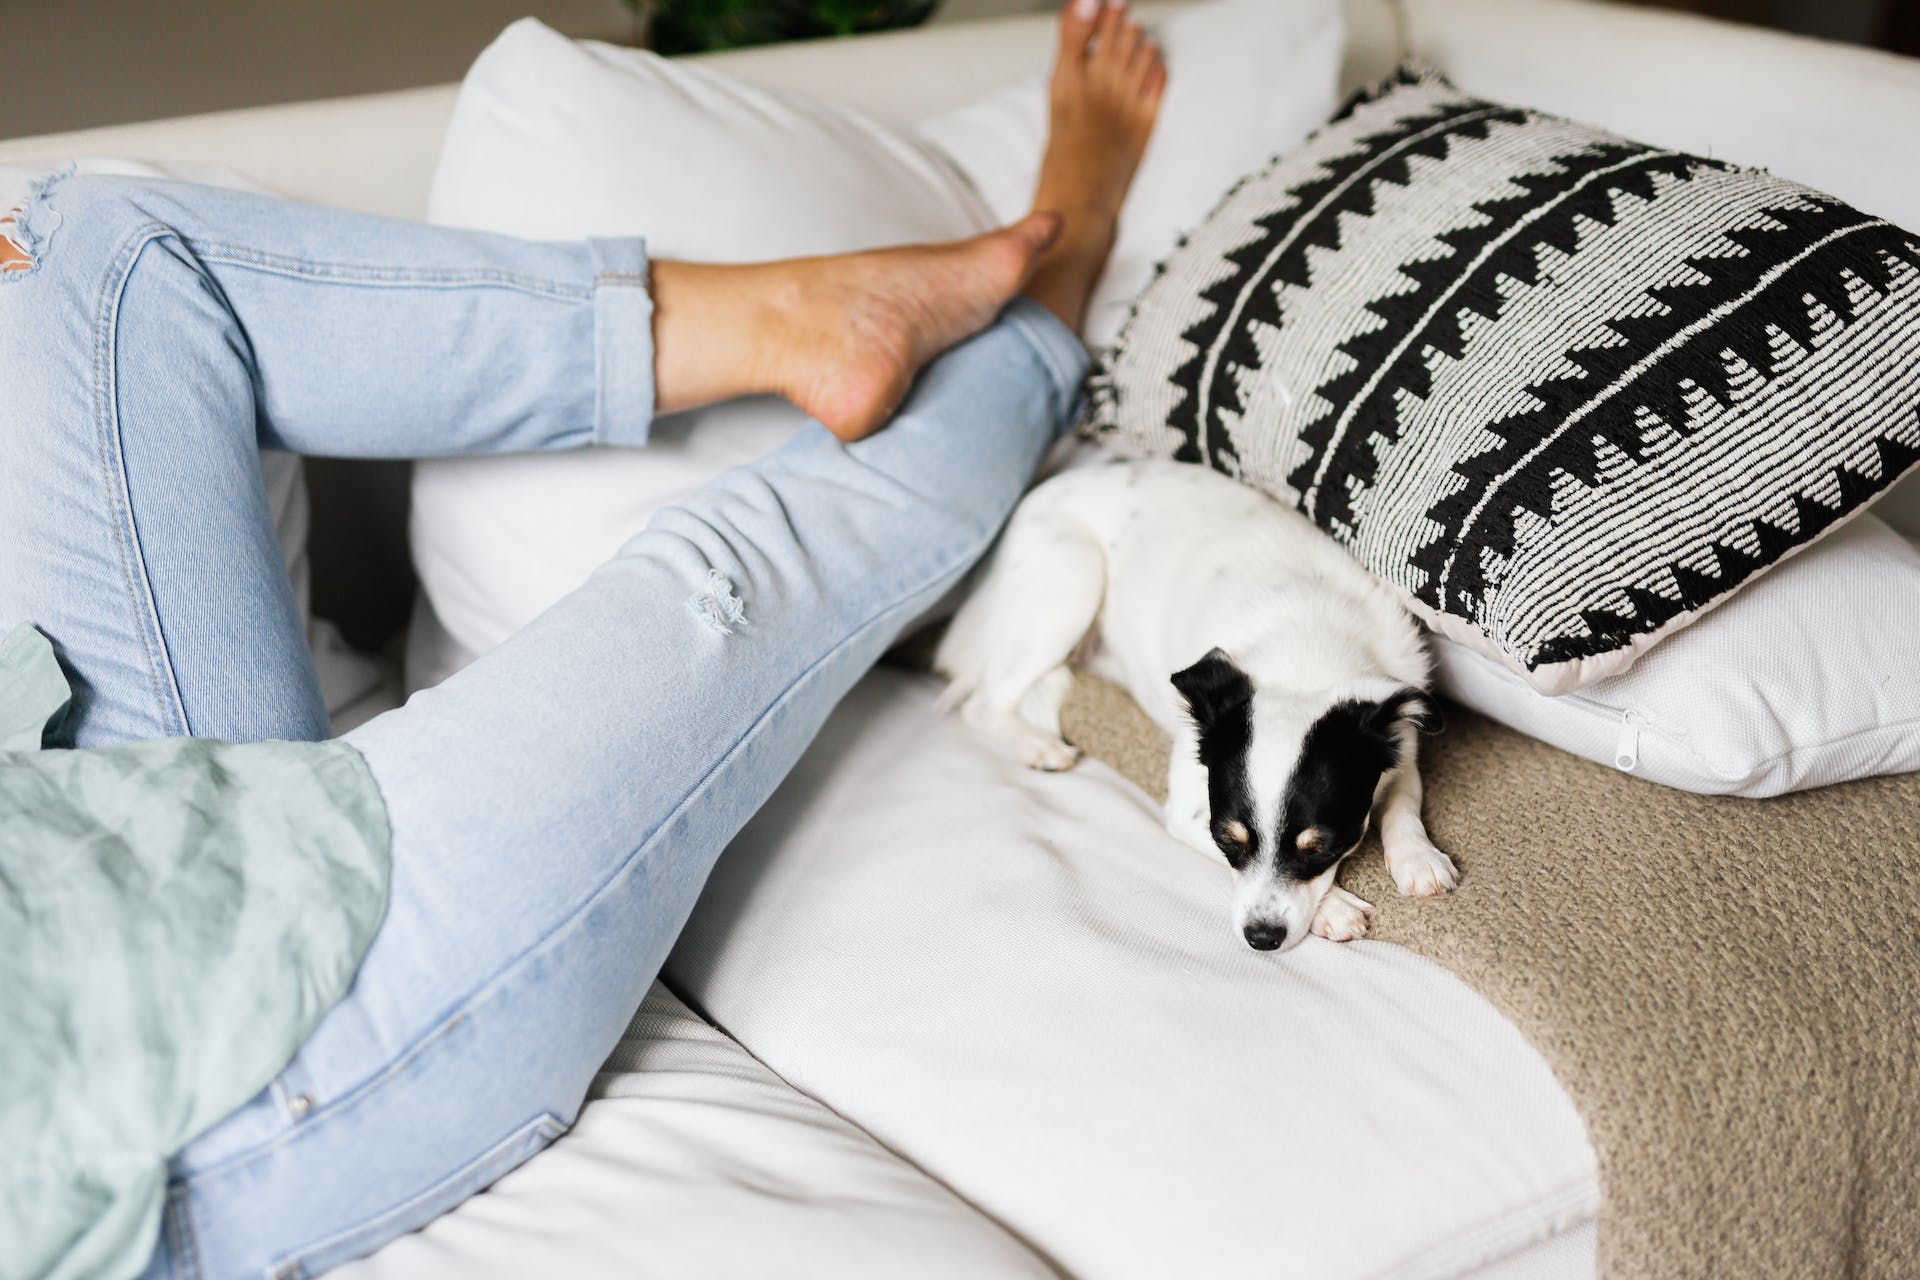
<point x="1560" y="387"/>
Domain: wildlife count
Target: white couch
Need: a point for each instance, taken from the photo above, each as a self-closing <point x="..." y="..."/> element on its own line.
<point x="964" y="1021"/>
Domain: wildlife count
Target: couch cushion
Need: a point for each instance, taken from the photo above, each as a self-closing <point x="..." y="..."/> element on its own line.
<point x="692" y="1159"/>
<point x="1021" y="983"/>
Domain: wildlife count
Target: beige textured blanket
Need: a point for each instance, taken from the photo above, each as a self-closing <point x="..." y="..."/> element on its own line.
<point x="1729" y="989"/>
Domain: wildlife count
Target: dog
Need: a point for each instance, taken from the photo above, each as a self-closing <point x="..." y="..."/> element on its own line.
<point x="1293" y="685"/>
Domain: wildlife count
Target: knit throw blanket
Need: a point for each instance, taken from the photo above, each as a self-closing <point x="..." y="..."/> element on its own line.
<point x="1729" y="989"/>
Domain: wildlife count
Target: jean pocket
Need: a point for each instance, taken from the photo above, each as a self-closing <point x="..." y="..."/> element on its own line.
<point x="416" y="1211"/>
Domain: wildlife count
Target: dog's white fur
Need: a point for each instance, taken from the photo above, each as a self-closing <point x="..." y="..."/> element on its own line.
<point x="1140" y="569"/>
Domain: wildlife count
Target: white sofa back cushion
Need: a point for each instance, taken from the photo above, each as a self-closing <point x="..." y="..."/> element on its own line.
<point x="1835" y="117"/>
<point x="558" y="139"/>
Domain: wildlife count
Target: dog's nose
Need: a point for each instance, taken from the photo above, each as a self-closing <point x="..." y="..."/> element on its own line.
<point x="1265" y="937"/>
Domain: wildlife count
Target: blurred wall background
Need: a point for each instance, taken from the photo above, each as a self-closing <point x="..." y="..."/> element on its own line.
<point x="74" y="64"/>
<point x="70" y="64"/>
<point x="1886" y="23"/>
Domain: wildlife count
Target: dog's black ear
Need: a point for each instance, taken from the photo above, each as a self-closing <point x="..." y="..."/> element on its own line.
<point x="1213" y="688"/>
<point x="1418" y="709"/>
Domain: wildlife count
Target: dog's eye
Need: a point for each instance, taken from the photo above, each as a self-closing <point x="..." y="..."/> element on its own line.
<point x="1312" y="840"/>
<point x="1235" y="841"/>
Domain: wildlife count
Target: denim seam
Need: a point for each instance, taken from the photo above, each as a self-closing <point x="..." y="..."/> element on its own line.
<point x="544" y="1123"/>
<point x="166" y="689"/>
<point x="606" y="355"/>
<point x="186" y="1250"/>
<point x="502" y="977"/>
<point x="380" y="277"/>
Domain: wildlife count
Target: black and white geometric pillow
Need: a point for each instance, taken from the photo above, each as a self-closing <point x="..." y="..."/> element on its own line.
<point x="1564" y="391"/>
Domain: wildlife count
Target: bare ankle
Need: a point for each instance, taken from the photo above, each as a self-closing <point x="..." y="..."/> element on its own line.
<point x="841" y="337"/>
<point x="710" y="325"/>
<point x="1104" y="98"/>
<point x="1063" y="281"/>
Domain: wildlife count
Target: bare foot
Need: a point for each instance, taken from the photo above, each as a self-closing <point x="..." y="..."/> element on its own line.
<point x="840" y="336"/>
<point x="1104" y="97"/>
<point x="843" y="336"/>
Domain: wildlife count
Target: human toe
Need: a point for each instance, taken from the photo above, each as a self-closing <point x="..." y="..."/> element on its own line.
<point x="1107" y="28"/>
<point x="1077" y="22"/>
<point x="1126" y="43"/>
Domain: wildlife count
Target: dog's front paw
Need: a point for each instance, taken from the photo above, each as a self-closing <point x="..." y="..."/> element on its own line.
<point x="1420" y="870"/>
<point x="1341" y="916"/>
<point x="1020" y="739"/>
<point x="1039" y="750"/>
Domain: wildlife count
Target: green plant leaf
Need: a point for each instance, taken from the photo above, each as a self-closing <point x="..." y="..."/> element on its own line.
<point x="696" y="26"/>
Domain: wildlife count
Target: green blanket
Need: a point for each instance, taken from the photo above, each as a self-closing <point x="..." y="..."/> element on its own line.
<point x="175" y="917"/>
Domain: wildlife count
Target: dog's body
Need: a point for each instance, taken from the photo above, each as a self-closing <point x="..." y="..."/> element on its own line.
<point x="1156" y="572"/>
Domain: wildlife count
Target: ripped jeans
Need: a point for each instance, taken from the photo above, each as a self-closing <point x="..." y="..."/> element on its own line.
<point x="557" y="805"/>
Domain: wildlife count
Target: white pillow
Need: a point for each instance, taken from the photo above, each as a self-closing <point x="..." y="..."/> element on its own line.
<point x="1804" y="678"/>
<point x="556" y="139"/>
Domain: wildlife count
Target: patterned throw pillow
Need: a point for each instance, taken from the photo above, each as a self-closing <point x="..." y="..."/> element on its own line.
<point x="1564" y="391"/>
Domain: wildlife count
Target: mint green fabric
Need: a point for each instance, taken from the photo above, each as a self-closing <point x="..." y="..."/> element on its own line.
<point x="175" y="917"/>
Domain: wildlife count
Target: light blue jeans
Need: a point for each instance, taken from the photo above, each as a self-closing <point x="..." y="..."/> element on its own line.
<point x="556" y="806"/>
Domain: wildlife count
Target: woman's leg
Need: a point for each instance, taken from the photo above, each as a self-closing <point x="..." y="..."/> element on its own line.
<point x="154" y="336"/>
<point x="161" y="334"/>
<point x="557" y="806"/>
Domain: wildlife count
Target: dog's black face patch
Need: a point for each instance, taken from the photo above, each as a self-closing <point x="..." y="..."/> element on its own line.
<point x="1219" y="697"/>
<point x="1341" y="761"/>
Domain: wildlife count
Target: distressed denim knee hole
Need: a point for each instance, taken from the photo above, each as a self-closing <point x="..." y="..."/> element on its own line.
<point x="717" y="605"/>
<point x="14" y="257"/>
<point x="26" y="229"/>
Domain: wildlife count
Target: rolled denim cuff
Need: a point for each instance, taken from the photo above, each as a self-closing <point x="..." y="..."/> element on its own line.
<point x="622" y="342"/>
<point x="1061" y="353"/>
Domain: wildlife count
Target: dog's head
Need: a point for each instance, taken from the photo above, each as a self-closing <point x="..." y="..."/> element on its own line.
<point x="1291" y="783"/>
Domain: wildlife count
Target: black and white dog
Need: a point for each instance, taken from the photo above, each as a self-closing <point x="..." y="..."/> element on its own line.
<point x="1297" y="682"/>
